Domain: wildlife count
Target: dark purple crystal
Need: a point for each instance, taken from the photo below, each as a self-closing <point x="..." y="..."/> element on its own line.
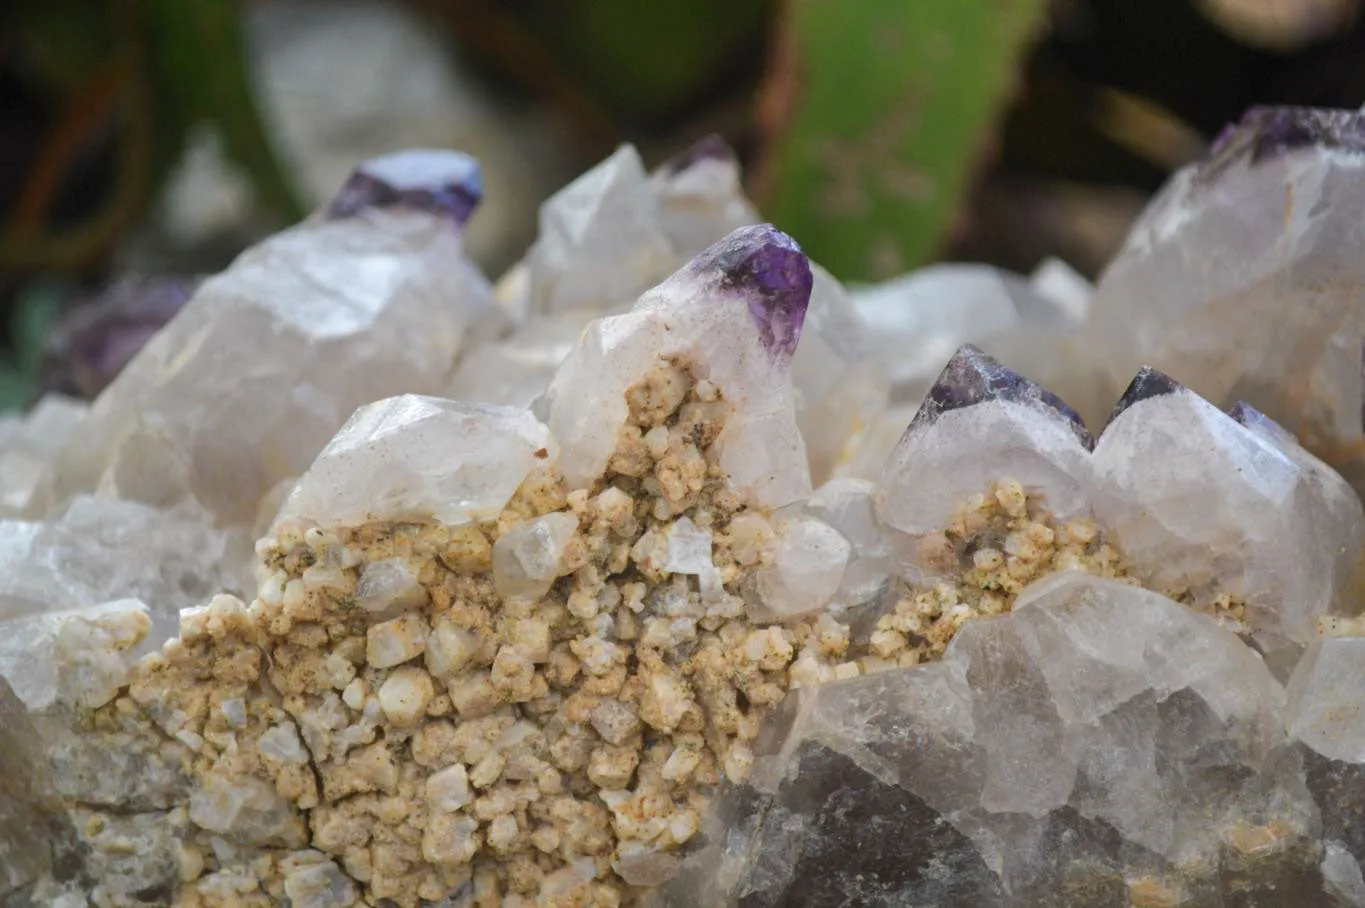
<point x="446" y="183"/>
<point x="772" y="273"/>
<point x="92" y="342"/>
<point x="1265" y="133"/>
<point x="971" y="377"/>
<point x="1148" y="383"/>
<point x="711" y="148"/>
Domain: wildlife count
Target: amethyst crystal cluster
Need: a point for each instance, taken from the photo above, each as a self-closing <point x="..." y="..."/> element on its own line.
<point x="669" y="571"/>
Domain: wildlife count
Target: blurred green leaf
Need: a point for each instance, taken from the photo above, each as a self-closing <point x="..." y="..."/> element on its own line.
<point x="892" y="102"/>
<point x="35" y="309"/>
<point x="199" y="63"/>
<point x="646" y="59"/>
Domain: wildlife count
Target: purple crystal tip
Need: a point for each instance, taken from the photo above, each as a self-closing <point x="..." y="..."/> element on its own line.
<point x="92" y="342"/>
<point x="1266" y="133"/>
<point x="772" y="273"/>
<point x="446" y="183"/>
<point x="711" y="148"/>
<point x="1148" y="383"/>
<point x="971" y="377"/>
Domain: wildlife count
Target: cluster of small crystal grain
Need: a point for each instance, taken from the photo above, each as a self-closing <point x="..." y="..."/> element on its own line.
<point x="470" y="731"/>
<point x="997" y="543"/>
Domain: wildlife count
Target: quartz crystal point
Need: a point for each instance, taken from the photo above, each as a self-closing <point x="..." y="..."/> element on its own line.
<point x="808" y="563"/>
<point x="414" y="457"/>
<point x="529" y="557"/>
<point x="370" y="298"/>
<point x="734" y="314"/>
<point x="1253" y="515"/>
<point x="1099" y="734"/>
<point x="1243" y="278"/>
<point x="981" y="421"/>
<point x="700" y="196"/>
<point x="616" y="230"/>
<point x="600" y="239"/>
<point x="84" y="654"/>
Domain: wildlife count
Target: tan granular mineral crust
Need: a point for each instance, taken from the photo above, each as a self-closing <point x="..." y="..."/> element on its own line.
<point x="396" y="703"/>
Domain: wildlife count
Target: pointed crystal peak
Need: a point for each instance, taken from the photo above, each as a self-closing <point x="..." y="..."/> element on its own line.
<point x="971" y="377"/>
<point x="1265" y="133"/>
<point x="1254" y="419"/>
<point x="773" y="274"/>
<point x="446" y="183"/>
<point x="711" y="148"/>
<point x="1148" y="383"/>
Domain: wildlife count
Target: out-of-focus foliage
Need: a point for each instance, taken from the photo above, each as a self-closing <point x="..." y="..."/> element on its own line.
<point x="134" y="75"/>
<point x="887" y="105"/>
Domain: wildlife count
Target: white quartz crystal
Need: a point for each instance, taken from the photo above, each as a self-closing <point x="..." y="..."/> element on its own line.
<point x="389" y="584"/>
<point x="528" y="558"/>
<point x="1247" y="514"/>
<point x="81" y="656"/>
<point x="600" y="238"/>
<point x="980" y="422"/>
<point x="1324" y="697"/>
<point x="808" y="562"/>
<point x="414" y="457"/>
<point x="264" y="364"/>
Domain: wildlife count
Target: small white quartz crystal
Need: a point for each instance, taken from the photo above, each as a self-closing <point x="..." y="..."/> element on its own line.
<point x="420" y="457"/>
<point x="528" y="558"/>
<point x="371" y="297"/>
<point x="808" y="565"/>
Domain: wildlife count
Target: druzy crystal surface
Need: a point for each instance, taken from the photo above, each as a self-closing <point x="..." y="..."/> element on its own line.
<point x="670" y="571"/>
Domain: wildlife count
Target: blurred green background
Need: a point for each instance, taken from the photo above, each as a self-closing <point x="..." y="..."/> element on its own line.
<point x="162" y="136"/>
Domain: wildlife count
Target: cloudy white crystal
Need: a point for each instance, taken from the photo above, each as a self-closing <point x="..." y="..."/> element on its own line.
<point x="303" y="328"/>
<point x="415" y="457"/>
<point x="528" y="558"/>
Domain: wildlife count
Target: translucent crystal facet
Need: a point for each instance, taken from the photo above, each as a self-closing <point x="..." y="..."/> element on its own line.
<point x="303" y="328"/>
<point x="444" y="183"/>
<point x="26" y="826"/>
<point x="600" y="239"/>
<point x="528" y="558"/>
<point x="415" y="457"/>
<point x="1241" y="279"/>
<point x="1251" y="514"/>
<point x="1052" y="750"/>
<point x="981" y="421"/>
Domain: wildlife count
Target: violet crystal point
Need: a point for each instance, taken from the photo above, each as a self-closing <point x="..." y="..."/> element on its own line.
<point x="1148" y="383"/>
<point x="447" y="183"/>
<point x="971" y="377"/>
<point x="769" y="269"/>
<point x="93" y="341"/>
<point x="981" y="422"/>
<point x="1267" y="132"/>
